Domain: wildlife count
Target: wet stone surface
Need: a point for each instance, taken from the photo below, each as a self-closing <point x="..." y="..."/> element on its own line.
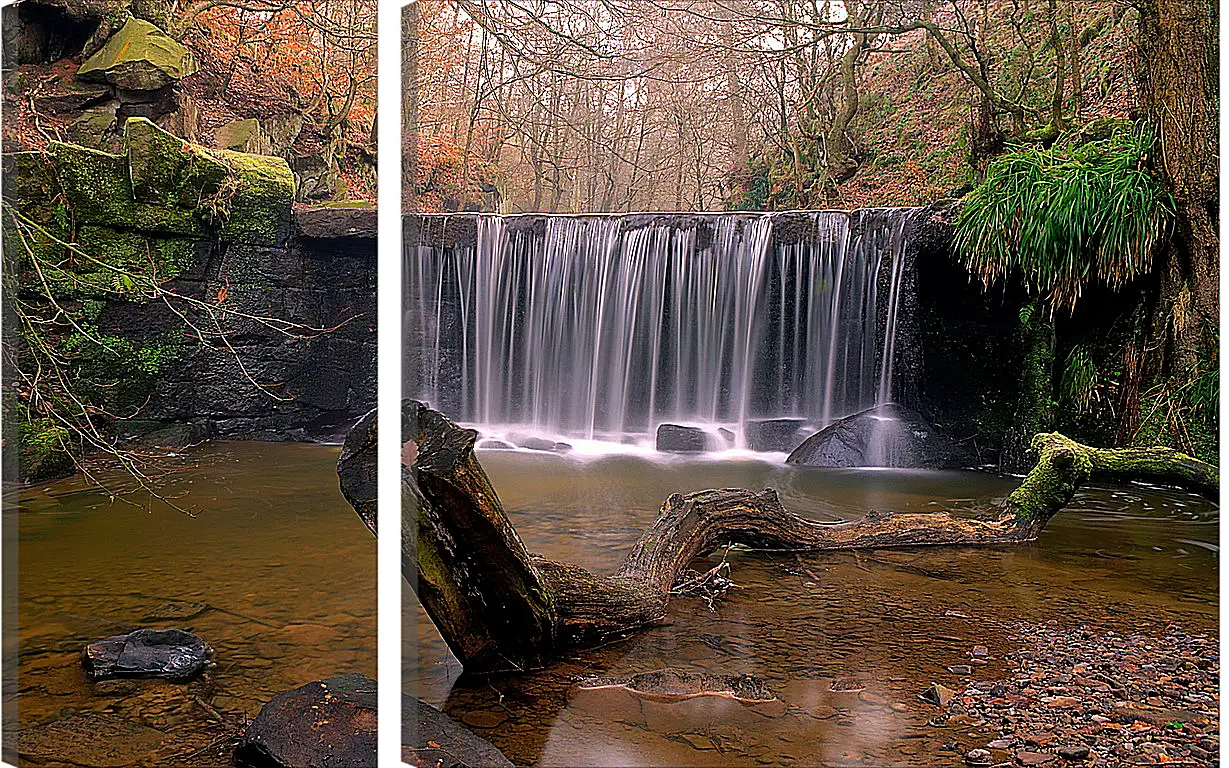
<point x="170" y="653"/>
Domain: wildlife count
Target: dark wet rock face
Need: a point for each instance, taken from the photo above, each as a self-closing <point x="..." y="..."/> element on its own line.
<point x="773" y="434"/>
<point x="431" y="738"/>
<point x="675" y="438"/>
<point x="325" y="724"/>
<point x="884" y="436"/>
<point x="170" y="653"/>
<point x="332" y="724"/>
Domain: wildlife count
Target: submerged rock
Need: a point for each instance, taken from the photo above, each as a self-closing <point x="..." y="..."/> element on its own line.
<point x="539" y="444"/>
<point x="671" y="684"/>
<point x="170" y="653"/>
<point x="431" y="738"/>
<point x="675" y="438"/>
<point x="176" y="610"/>
<point x="492" y="444"/>
<point x="937" y="694"/>
<point x="884" y="436"/>
<point x="94" y="740"/>
<point x="332" y="724"/>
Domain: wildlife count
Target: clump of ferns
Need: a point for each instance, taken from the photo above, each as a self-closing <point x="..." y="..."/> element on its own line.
<point x="1183" y="410"/>
<point x="1082" y="387"/>
<point x="1062" y="216"/>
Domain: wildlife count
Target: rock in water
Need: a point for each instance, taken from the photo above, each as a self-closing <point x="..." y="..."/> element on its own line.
<point x="332" y="724"/>
<point x="170" y="653"/>
<point x="431" y="738"/>
<point x="94" y="740"/>
<point x="884" y="436"/>
<point x="773" y="434"/>
<point x="671" y="684"/>
<point x="675" y="438"/>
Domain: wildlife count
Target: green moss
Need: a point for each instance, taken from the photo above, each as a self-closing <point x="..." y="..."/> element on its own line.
<point x="44" y="453"/>
<point x="155" y="159"/>
<point x="263" y="196"/>
<point x="117" y="371"/>
<point x="99" y="191"/>
<point x="169" y="186"/>
<point x="1062" y="465"/>
<point x="161" y="257"/>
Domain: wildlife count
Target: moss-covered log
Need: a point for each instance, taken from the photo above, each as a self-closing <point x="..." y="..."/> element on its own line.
<point x="502" y="609"/>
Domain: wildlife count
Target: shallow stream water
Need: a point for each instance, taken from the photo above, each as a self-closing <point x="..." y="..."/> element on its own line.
<point x="816" y="627"/>
<point x="275" y="572"/>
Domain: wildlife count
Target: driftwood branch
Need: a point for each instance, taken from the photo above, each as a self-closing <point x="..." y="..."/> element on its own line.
<point x="501" y="608"/>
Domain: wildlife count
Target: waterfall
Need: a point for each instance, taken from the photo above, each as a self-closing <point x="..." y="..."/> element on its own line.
<point x="605" y="326"/>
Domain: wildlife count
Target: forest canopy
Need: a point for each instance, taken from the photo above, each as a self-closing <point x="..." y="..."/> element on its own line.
<point x="624" y="105"/>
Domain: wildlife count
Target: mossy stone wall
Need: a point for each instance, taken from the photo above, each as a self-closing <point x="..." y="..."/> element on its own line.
<point x="215" y="225"/>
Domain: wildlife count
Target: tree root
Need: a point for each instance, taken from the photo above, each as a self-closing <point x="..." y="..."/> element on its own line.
<point x="501" y="609"/>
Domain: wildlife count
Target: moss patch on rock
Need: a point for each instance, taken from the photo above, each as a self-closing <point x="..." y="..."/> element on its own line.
<point x="139" y="57"/>
<point x="166" y="185"/>
<point x="43" y="453"/>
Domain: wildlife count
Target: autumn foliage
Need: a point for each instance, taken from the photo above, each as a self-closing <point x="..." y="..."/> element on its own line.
<point x="310" y="58"/>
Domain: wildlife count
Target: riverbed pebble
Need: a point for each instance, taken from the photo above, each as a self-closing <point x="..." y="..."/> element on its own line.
<point x="1088" y="697"/>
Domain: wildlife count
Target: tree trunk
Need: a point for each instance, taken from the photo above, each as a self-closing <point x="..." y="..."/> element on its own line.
<point x="1178" y="79"/>
<point x="502" y="609"/>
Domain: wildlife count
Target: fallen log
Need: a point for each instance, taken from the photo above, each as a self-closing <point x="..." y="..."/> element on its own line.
<point x="501" y="608"/>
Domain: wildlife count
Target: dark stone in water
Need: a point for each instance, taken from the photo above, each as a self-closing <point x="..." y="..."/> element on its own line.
<point x="885" y="436"/>
<point x="541" y="444"/>
<point x="773" y="434"/>
<point x="538" y="444"/>
<point x="491" y="444"/>
<point x="170" y="653"/>
<point x="726" y="434"/>
<point x="1074" y="754"/>
<point x="937" y="694"/>
<point x="431" y="738"/>
<point x="675" y="438"/>
<point x="332" y="724"/>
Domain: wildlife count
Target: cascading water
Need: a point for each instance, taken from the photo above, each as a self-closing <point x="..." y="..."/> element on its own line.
<point x="605" y="326"/>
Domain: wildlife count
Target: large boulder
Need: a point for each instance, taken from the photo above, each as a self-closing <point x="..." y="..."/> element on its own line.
<point x="884" y="436"/>
<point x="676" y="438"/>
<point x="174" y="654"/>
<point x="139" y="57"/>
<point x="166" y="185"/>
<point x="773" y="434"/>
<point x="332" y="724"/>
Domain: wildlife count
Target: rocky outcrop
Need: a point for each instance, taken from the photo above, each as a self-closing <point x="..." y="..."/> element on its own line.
<point x="215" y="226"/>
<point x="139" y="57"/>
<point x="332" y="724"/>
<point x="169" y="653"/>
<point x="885" y="436"/>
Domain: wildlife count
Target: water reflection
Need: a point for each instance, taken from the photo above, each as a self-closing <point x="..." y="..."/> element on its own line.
<point x="283" y="565"/>
<point x="845" y="640"/>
